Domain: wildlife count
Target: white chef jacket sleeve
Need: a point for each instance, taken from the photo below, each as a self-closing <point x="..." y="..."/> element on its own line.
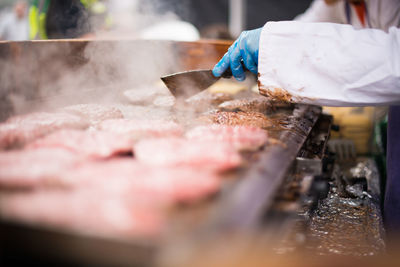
<point x="319" y="11"/>
<point x="329" y="64"/>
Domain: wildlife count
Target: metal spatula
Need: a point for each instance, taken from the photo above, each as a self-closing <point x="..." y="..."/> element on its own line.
<point x="189" y="83"/>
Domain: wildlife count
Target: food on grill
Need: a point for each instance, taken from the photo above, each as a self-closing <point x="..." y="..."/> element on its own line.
<point x="256" y="104"/>
<point x="251" y="105"/>
<point x="207" y="98"/>
<point x="35" y="168"/>
<point x="146" y="94"/>
<point x="122" y="176"/>
<point x="140" y="96"/>
<point x="94" y="113"/>
<point x="241" y="137"/>
<point x="255" y="119"/>
<point x="137" y="129"/>
<point x="164" y="101"/>
<point x="183" y="184"/>
<point x="182" y="152"/>
<point x="118" y="196"/>
<point x="20" y="130"/>
<point x="90" y="143"/>
<point x="204" y="101"/>
<point x="127" y="177"/>
<point x="84" y="211"/>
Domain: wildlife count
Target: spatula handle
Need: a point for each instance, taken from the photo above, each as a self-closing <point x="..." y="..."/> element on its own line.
<point x="228" y="73"/>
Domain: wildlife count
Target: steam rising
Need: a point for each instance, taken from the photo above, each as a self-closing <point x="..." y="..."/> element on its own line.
<point x="44" y="76"/>
<point x="138" y="18"/>
<point x="48" y="75"/>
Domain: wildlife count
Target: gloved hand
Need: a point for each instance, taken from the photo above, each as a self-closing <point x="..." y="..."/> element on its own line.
<point x="245" y="49"/>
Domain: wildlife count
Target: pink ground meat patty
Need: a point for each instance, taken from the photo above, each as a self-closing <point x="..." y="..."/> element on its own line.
<point x="127" y="177"/>
<point x="35" y="168"/>
<point x="137" y="129"/>
<point x="20" y="130"/>
<point x="90" y="143"/>
<point x="182" y="152"/>
<point x="241" y="137"/>
<point x="85" y="212"/>
<point x="94" y="113"/>
<point x="117" y="197"/>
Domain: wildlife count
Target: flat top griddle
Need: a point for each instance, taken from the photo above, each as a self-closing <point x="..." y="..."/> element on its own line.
<point x="239" y="207"/>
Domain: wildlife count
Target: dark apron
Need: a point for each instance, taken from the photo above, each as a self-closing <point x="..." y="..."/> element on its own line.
<point x="67" y="19"/>
<point x="392" y="196"/>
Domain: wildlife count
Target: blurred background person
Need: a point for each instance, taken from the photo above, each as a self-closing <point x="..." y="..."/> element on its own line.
<point x="213" y="17"/>
<point x="52" y="19"/>
<point x="14" y="25"/>
<point x="189" y="20"/>
<point x="148" y="19"/>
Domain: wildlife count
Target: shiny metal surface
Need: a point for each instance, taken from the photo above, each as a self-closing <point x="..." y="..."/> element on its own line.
<point x="189" y="83"/>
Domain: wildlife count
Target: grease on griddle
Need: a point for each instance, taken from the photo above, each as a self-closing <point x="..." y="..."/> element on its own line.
<point x="346" y="227"/>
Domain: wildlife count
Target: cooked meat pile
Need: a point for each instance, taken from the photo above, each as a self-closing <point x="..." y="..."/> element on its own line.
<point x="87" y="168"/>
<point x="254" y="119"/>
<point x="255" y="104"/>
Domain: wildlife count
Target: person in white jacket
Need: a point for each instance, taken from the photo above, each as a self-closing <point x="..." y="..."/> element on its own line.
<point x="318" y="59"/>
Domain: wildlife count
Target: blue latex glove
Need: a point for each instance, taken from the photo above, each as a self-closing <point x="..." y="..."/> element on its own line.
<point x="245" y="49"/>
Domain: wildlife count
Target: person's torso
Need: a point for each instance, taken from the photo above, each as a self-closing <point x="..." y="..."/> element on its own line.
<point x="376" y="14"/>
<point x="16" y="29"/>
<point x="58" y="19"/>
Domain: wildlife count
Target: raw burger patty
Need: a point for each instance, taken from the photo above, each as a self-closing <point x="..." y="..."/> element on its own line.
<point x="94" y="113"/>
<point x="183" y="152"/>
<point x="90" y="143"/>
<point x="241" y="137"/>
<point x="34" y="168"/>
<point x="140" y="96"/>
<point x="20" y="130"/>
<point x="128" y="178"/>
<point x="137" y="129"/>
<point x="84" y="212"/>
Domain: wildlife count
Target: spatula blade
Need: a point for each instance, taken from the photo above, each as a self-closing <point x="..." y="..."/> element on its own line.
<point x="189" y="83"/>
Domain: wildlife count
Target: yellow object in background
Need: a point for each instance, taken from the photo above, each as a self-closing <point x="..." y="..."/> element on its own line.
<point x="356" y="124"/>
<point x="227" y="87"/>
